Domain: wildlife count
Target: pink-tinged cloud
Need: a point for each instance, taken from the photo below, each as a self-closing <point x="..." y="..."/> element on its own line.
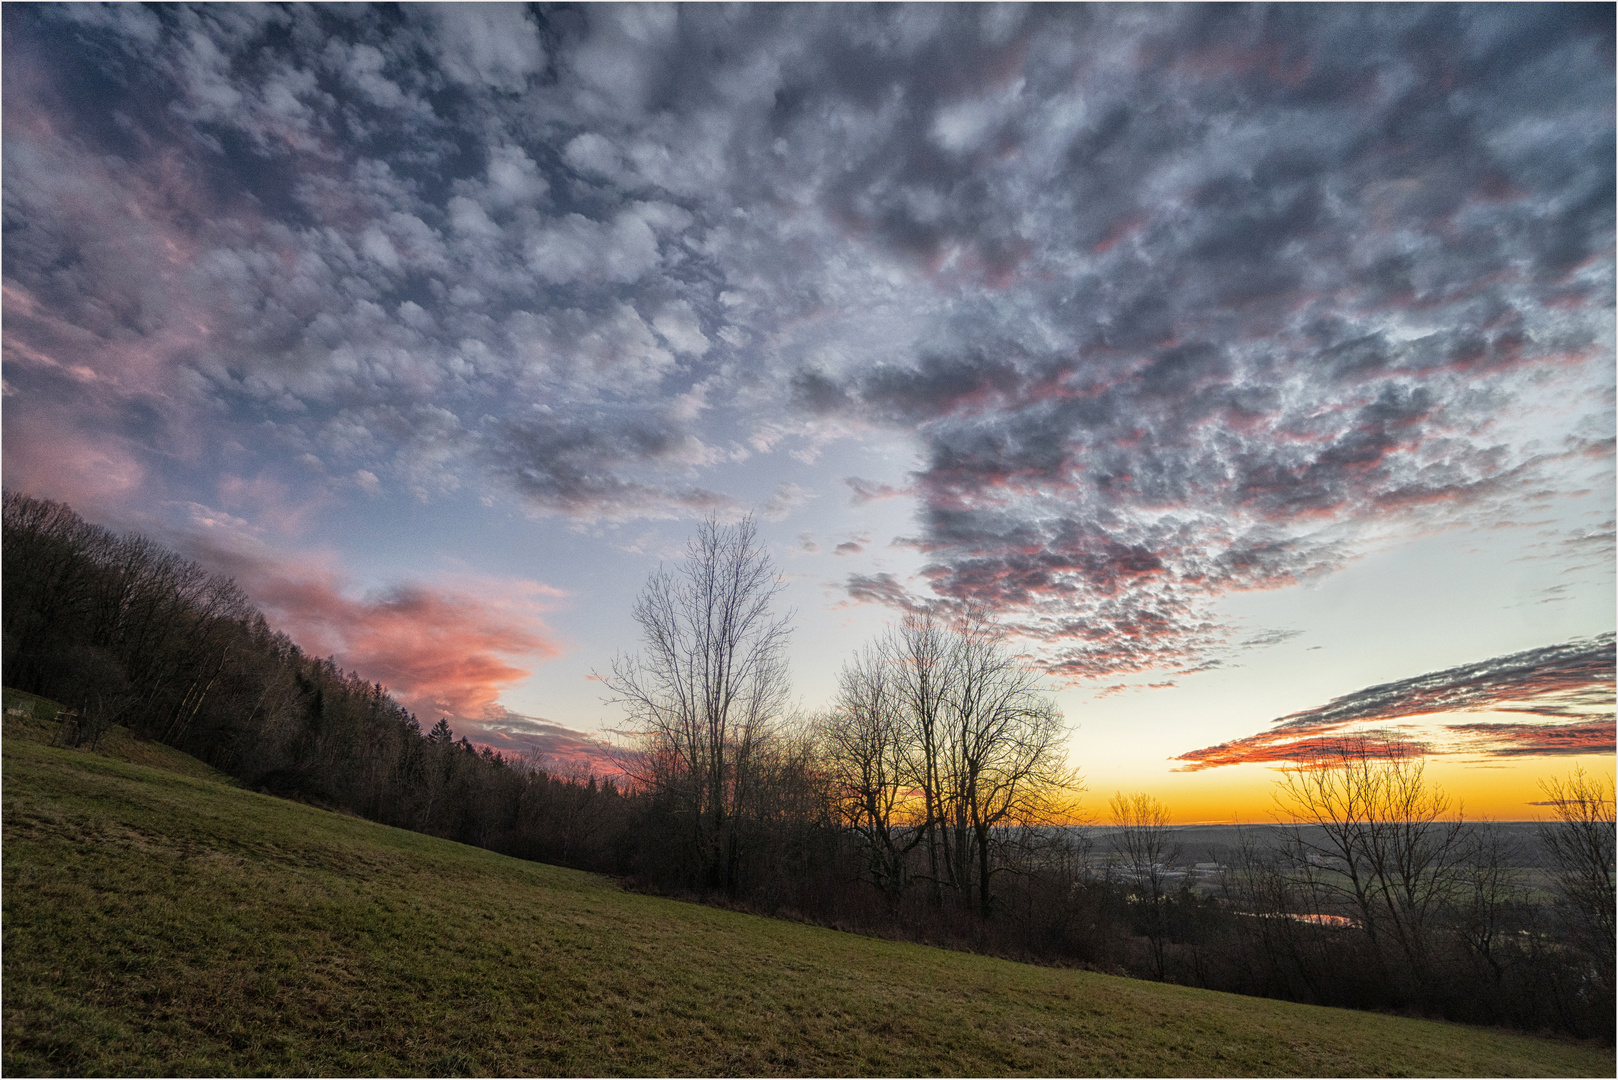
<point x="1572" y="682"/>
<point x="1221" y="329"/>
<point x="272" y="503"/>
<point x="439" y="651"/>
<point x="865" y="491"/>
<point x="447" y="648"/>
<point x="1282" y="62"/>
<point x="47" y="456"/>
<point x="1122" y="229"/>
<point x="1274" y="748"/>
<point x="550" y="746"/>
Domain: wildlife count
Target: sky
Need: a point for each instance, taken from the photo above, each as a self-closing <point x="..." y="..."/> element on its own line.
<point x="1254" y="366"/>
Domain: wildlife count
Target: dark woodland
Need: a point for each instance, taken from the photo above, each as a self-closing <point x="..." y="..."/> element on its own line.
<point x="930" y="803"/>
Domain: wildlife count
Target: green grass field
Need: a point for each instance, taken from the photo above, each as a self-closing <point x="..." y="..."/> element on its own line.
<point x="160" y="920"/>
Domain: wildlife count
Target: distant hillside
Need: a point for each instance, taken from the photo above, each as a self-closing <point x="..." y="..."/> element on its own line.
<point x="158" y="920"/>
<point x="1224" y="843"/>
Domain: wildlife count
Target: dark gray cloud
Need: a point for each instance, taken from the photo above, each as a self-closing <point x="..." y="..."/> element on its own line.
<point x="1173" y="301"/>
<point x="1548" y="680"/>
<point x="578" y="464"/>
<point x="884" y="588"/>
<point x="1538" y="740"/>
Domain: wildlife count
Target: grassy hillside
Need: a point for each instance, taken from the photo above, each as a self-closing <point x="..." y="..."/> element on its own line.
<point x="159" y="920"/>
<point x="33" y="718"/>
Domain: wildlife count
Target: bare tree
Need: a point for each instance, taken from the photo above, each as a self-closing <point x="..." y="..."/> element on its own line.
<point x="1277" y="950"/>
<point x="1008" y="752"/>
<point x="1492" y="889"/>
<point x="710" y="681"/>
<point x="1142" y="839"/>
<point x="943" y="737"/>
<point x="868" y="764"/>
<point x="916" y="657"/>
<point x="1379" y="838"/>
<point x="1581" y="847"/>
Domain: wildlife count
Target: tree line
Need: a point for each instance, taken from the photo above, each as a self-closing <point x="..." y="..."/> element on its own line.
<point x="122" y="631"/>
<point x="932" y="800"/>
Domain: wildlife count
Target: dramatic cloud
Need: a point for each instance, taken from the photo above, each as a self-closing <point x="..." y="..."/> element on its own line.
<point x="1572" y="684"/>
<point x="1169" y="302"/>
<point x="1537" y="740"/>
<point x="447" y="649"/>
<point x="438" y="652"/>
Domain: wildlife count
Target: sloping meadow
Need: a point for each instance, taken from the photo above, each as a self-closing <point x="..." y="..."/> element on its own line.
<point x="160" y="920"/>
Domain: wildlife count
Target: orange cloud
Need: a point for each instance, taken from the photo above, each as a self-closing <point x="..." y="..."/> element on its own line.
<point x="438" y="651"/>
<point x="445" y="648"/>
<point x="1571" y="685"/>
<point x="1287" y="747"/>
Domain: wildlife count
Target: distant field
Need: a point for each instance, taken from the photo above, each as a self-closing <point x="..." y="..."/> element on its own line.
<point x="159" y="920"/>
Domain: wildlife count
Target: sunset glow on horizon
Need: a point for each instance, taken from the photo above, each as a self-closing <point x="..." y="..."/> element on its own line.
<point x="1254" y="366"/>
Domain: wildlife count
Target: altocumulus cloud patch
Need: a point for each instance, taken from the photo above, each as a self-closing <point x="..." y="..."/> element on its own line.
<point x="1171" y="303"/>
